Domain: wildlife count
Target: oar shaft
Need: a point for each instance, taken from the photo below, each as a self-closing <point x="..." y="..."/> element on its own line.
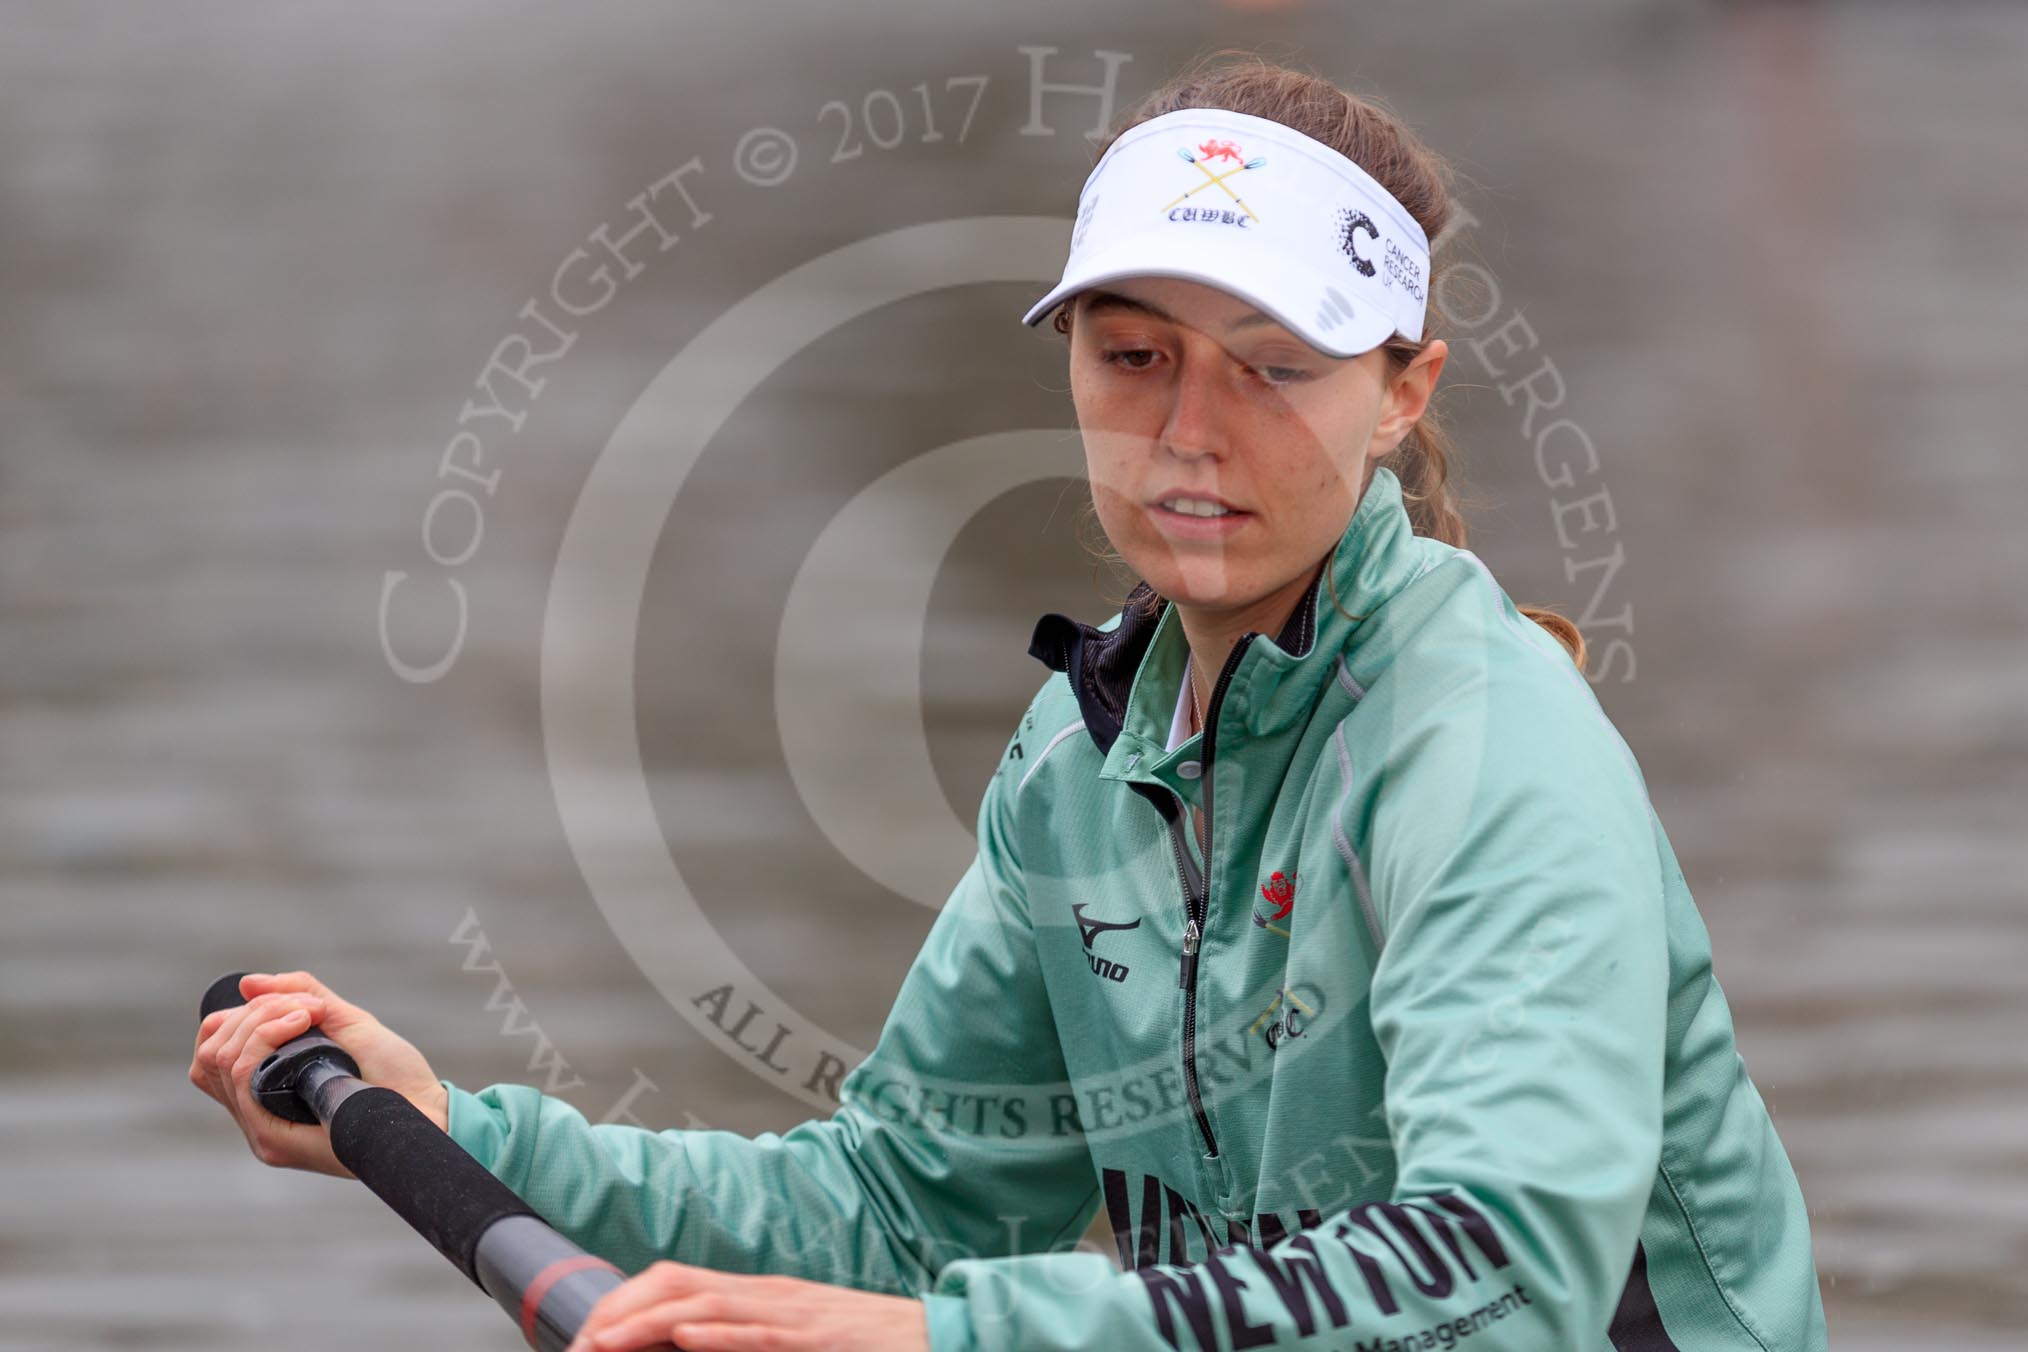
<point x="322" y="1086"/>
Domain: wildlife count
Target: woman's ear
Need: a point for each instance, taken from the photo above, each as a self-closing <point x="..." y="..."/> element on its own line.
<point x="1407" y="396"/>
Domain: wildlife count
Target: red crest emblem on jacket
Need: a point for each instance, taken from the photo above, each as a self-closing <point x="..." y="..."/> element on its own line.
<point x="1280" y="891"/>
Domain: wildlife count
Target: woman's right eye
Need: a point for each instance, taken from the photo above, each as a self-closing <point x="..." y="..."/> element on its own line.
<point x="1129" y="357"/>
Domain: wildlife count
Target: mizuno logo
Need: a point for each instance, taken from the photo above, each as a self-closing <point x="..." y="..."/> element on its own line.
<point x="1091" y="930"/>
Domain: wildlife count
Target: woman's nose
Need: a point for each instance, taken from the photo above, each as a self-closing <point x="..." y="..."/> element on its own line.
<point x="1195" y="425"/>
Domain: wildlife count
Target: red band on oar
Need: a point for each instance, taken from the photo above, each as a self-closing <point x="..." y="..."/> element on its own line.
<point x="531" y="1300"/>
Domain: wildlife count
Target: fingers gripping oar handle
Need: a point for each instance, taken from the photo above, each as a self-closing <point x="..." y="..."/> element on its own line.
<point x="546" y="1282"/>
<point x="275" y="1080"/>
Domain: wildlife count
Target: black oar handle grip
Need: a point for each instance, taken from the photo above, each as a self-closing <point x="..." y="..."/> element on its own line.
<point x="221" y="994"/>
<point x="424" y="1176"/>
<point x="275" y="1079"/>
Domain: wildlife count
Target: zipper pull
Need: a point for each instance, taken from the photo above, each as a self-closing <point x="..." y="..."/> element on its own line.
<point x="1191" y="934"/>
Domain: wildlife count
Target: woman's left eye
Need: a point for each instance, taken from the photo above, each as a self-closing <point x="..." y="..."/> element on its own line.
<point x="1281" y="375"/>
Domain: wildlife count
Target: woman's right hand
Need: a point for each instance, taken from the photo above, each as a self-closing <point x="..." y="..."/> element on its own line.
<point x="232" y="1042"/>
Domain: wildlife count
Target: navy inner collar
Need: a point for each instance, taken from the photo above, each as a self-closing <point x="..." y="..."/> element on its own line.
<point x="1101" y="663"/>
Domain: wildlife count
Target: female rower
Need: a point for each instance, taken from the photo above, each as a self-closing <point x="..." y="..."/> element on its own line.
<point x="1321" y="932"/>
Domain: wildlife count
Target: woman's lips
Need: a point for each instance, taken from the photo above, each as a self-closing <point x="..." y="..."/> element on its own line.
<point x="1185" y="526"/>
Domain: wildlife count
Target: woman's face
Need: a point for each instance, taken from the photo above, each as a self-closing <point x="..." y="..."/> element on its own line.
<point x="1192" y="402"/>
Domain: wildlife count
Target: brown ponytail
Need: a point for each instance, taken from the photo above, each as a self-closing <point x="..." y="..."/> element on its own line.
<point x="1371" y="136"/>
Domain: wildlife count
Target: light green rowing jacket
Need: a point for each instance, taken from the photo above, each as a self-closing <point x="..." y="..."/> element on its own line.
<point x="1424" y="1050"/>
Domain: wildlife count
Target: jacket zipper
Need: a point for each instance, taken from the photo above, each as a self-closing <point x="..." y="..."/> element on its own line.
<point x="1197" y="896"/>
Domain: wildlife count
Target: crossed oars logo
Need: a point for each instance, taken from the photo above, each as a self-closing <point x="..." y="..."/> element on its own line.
<point x="1276" y="1003"/>
<point x="1213" y="150"/>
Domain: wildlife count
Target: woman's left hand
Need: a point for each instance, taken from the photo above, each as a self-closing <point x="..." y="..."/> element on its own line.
<point x="704" y="1311"/>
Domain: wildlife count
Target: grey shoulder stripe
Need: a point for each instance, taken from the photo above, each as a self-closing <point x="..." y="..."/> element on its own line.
<point x="1344" y="844"/>
<point x="1036" y="764"/>
<point x="1352" y="687"/>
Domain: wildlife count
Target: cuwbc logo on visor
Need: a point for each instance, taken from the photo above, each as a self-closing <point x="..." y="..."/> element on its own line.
<point x="1203" y="157"/>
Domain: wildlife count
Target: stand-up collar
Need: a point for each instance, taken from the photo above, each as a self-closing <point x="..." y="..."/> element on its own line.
<point x="1127" y="672"/>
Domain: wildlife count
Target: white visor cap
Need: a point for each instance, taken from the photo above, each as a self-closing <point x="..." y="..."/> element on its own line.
<point x="1261" y="211"/>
